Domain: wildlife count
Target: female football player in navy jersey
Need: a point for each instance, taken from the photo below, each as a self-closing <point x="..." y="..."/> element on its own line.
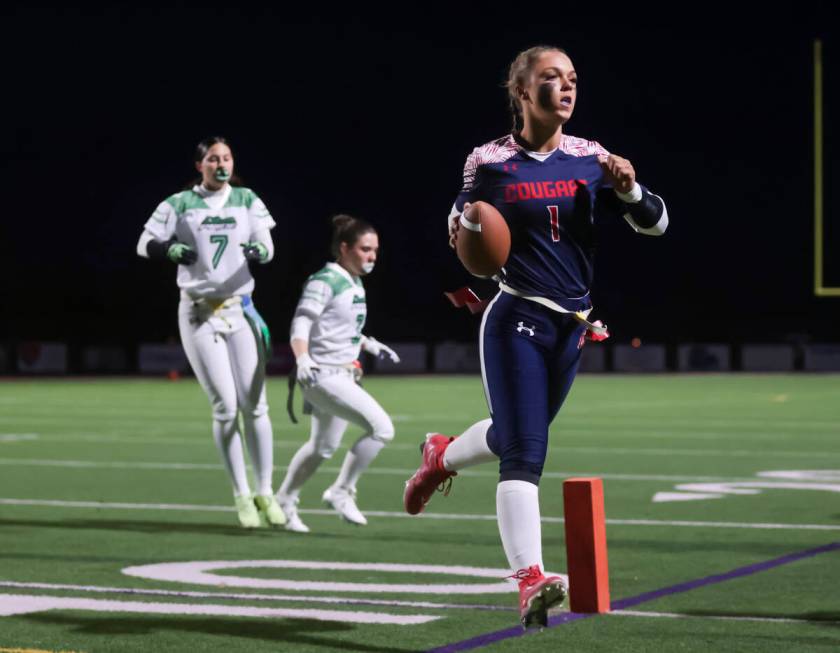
<point x="546" y="184"/>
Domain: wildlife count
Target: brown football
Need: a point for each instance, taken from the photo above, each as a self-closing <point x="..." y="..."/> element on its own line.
<point x="483" y="252"/>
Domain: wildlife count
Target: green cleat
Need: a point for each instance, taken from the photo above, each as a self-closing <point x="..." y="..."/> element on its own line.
<point x="270" y="510"/>
<point x="246" y="510"/>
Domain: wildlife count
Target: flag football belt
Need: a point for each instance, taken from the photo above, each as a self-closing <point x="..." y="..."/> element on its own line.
<point x="214" y="305"/>
<point x="258" y="325"/>
<point x="465" y="296"/>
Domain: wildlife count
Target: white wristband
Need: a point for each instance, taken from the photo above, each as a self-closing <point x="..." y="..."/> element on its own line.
<point x="633" y="197"/>
<point x="472" y="226"/>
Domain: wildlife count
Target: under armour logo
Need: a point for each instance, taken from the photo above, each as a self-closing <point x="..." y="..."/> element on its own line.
<point x="521" y="327"/>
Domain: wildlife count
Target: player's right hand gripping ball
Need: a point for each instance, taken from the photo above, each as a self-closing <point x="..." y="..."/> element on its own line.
<point x="483" y="252"/>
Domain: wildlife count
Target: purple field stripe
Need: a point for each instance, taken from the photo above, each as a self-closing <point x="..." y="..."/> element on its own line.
<point x="507" y="633"/>
<point x="623" y="604"/>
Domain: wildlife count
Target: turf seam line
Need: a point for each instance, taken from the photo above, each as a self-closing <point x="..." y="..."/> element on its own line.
<point x="507" y="633"/>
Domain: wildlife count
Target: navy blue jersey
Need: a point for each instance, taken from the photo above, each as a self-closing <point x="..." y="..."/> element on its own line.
<point x="548" y="206"/>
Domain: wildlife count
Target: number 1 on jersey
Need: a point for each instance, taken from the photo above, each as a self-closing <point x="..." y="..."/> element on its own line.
<point x="220" y="242"/>
<point x="554" y="221"/>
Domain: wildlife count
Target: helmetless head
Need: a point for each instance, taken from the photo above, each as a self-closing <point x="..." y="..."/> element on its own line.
<point x="214" y="160"/>
<point x="355" y="244"/>
<point x="542" y="87"/>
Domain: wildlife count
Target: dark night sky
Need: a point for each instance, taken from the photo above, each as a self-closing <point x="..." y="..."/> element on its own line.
<point x="103" y="108"/>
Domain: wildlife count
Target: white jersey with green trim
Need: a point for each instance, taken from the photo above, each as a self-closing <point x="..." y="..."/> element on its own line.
<point x="335" y="301"/>
<point x="216" y="224"/>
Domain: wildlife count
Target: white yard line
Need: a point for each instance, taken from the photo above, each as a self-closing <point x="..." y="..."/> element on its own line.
<point x="13" y="604"/>
<point x="101" y="505"/>
<point x="200" y="441"/>
<point x="386" y="471"/>
<point x="680" y="615"/>
<point x="635" y="425"/>
<point x="204" y="572"/>
<point x="558" y="444"/>
<point x="254" y="597"/>
<point x="96" y="464"/>
<point x="18" y="437"/>
<point x="716" y="453"/>
<point x="607" y="476"/>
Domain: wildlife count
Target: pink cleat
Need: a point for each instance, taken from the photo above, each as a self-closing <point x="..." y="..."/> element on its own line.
<point x="538" y="593"/>
<point x="430" y="476"/>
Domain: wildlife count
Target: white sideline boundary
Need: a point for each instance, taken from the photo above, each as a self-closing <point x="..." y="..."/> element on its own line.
<point x="102" y="505"/>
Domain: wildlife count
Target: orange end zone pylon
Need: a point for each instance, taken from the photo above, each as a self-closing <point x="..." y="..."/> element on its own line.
<point x="586" y="545"/>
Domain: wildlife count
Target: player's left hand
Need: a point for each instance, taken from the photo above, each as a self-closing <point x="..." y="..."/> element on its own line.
<point x="619" y="171"/>
<point x="307" y="370"/>
<point x="255" y="251"/>
<point x="376" y="348"/>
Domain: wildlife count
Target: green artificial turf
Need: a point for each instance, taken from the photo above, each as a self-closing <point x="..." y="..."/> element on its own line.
<point x="131" y="441"/>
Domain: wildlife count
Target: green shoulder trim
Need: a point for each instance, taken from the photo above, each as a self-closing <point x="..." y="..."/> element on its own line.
<point x="186" y="200"/>
<point x="240" y="196"/>
<point x="337" y="283"/>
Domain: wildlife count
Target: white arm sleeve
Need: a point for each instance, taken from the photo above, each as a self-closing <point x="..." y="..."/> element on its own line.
<point x="258" y="215"/>
<point x="301" y="326"/>
<point x="312" y="303"/>
<point x="161" y="225"/>
<point x="264" y="236"/>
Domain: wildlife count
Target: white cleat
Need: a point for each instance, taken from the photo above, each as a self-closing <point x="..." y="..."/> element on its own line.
<point x="344" y="503"/>
<point x="293" y="521"/>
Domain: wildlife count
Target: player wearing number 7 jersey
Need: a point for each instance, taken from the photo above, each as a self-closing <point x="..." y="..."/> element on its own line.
<point x="546" y="184"/>
<point x="212" y="231"/>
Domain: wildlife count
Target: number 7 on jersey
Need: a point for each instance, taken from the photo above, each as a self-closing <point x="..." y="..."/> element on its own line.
<point x="221" y="242"/>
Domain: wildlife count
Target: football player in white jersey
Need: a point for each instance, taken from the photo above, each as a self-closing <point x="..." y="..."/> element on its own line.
<point x="326" y="337"/>
<point x="212" y="232"/>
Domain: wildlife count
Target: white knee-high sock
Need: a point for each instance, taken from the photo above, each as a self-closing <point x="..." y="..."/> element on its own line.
<point x="229" y="444"/>
<point x="470" y="448"/>
<point x="518" y="512"/>
<point x="303" y="465"/>
<point x="260" y="447"/>
<point x="359" y="456"/>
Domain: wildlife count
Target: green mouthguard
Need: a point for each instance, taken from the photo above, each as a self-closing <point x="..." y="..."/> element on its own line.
<point x="222" y="174"/>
